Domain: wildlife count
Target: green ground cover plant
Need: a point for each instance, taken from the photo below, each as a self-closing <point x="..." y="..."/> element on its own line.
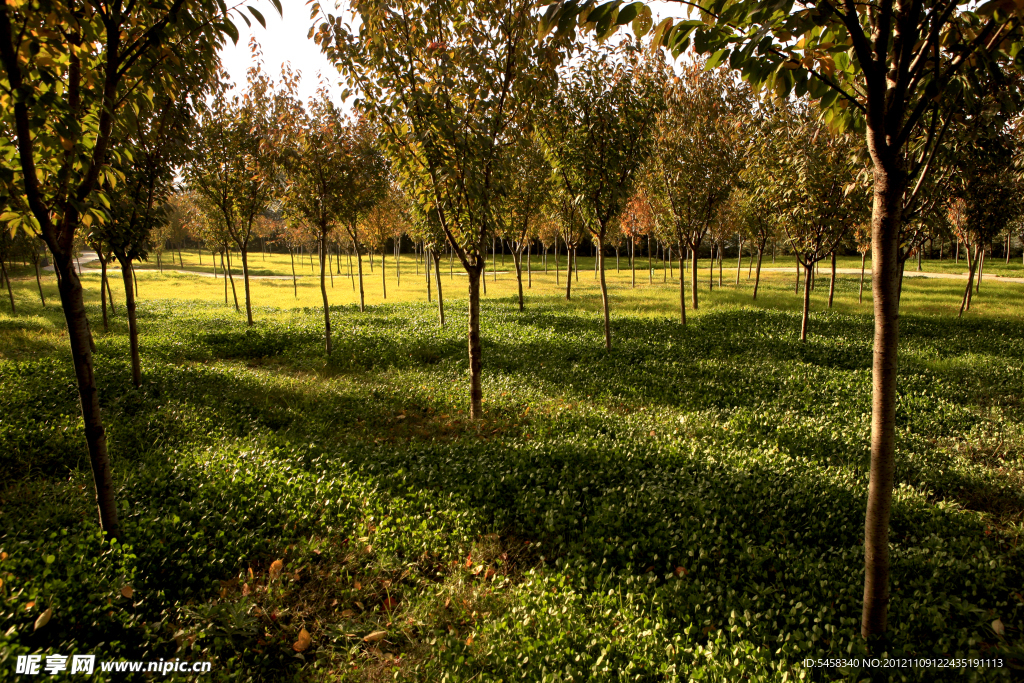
<point x="688" y="506"/>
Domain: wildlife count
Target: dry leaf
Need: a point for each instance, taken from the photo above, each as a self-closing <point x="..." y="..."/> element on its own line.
<point x="302" y="644"/>
<point x="29" y="605"/>
<point x="469" y="641"/>
<point x="275" y="569"/>
<point x="488" y="574"/>
<point x="347" y="613"/>
<point x="360" y="606"/>
<point x="997" y="626"/>
<point x="250" y="573"/>
<point x="1" y="583"/>
<point x="389" y="604"/>
<point x="295" y="576"/>
<point x="359" y="586"/>
<point x="127" y="592"/>
<point x="43" y="619"/>
<point x="375" y="636"/>
<point x="245" y="589"/>
<point x="447" y="603"/>
<point x="680" y="571"/>
<point x="3" y="556"/>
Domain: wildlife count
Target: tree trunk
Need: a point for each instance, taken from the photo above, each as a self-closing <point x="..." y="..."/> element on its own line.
<point x="383" y="273"/>
<point x="568" y="272"/>
<point x="808" y="270"/>
<point x="426" y="268"/>
<point x="832" y="282"/>
<point x="359" y="269"/>
<point x="517" y="260"/>
<point x="739" y="261"/>
<point x="721" y="246"/>
<point x="979" y="257"/>
<point x="682" y="288"/>
<point x="889" y="186"/>
<point x="475" y="357"/>
<point x="39" y="282"/>
<point x="632" y="262"/>
<point x="796" y="287"/>
<point x="231" y="277"/>
<point x="711" y="268"/>
<point x="757" y="276"/>
<point x="295" y="282"/>
<point x="103" y="291"/>
<point x="693" y="279"/>
<point x="323" y="289"/>
<point x="133" y="328"/>
<point x="7" y="279"/>
<point x="245" y="280"/>
<point x="80" y="340"/>
<point x="529" y="266"/>
<point x="650" y="263"/>
<point x="604" y="295"/>
<point x="437" y="280"/>
<point x="965" y="303"/>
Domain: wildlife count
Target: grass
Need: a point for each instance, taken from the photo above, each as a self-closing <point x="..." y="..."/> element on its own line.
<point x="689" y="506"/>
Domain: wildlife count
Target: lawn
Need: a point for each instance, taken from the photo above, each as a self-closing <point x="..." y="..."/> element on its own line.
<point x="688" y="506"/>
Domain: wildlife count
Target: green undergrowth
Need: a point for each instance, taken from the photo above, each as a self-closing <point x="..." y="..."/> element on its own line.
<point x="687" y="507"/>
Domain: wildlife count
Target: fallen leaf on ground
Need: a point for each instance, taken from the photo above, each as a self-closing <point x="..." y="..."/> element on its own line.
<point x="302" y="644"/>
<point x="275" y="569"/>
<point x="43" y="619"/>
<point x="375" y="636"/>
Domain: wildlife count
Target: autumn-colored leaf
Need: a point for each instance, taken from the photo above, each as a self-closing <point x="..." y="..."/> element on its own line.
<point x="127" y="592"/>
<point x="488" y="574"/>
<point x="997" y="626"/>
<point x="245" y="589"/>
<point x="302" y="644"/>
<point x="275" y="569"/>
<point x="469" y="640"/>
<point x="29" y="605"/>
<point x="347" y="613"/>
<point x="375" y="636"/>
<point x="389" y="604"/>
<point x="681" y="571"/>
<point x="43" y="619"/>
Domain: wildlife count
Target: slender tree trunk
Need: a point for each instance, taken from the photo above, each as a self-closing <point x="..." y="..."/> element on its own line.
<point x="39" y="282"/>
<point x="383" y="273"/>
<point x="979" y="256"/>
<point x="650" y="263"/>
<point x="10" y="292"/>
<point x="330" y="264"/>
<point x="231" y="277"/>
<point x="832" y="282"/>
<point x="568" y="272"/>
<point x="757" y="276"/>
<point x="426" y="269"/>
<point x="475" y="352"/>
<point x="529" y="266"/>
<point x="889" y="186"/>
<point x="965" y="303"/>
<point x="796" y="287"/>
<point x="295" y="282"/>
<point x="956" y="260"/>
<point x="693" y="278"/>
<point x="437" y="279"/>
<point x="110" y="298"/>
<point x="750" y="264"/>
<point x="604" y="295"/>
<point x="359" y="269"/>
<point x="398" y="263"/>
<point x="711" y="268"/>
<point x="682" y="287"/>
<point x="103" y="291"/>
<point x="863" y="262"/>
<point x="245" y="280"/>
<point x="739" y="261"/>
<point x="632" y="262"/>
<point x="575" y="262"/>
<point x="135" y="281"/>
<point x="919" y="249"/>
<point x="323" y="288"/>
<point x="808" y="270"/>
<point x="80" y="340"/>
<point x="720" y="254"/>
<point x="517" y="260"/>
<point x="557" y="271"/>
<point x="133" y="327"/>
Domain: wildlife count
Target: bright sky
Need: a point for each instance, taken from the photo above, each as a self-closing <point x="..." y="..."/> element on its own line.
<point x="284" y="40"/>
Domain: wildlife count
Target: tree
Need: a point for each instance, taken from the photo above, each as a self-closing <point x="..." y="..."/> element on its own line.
<point x="450" y="87"/>
<point x="528" y="189"/>
<point x="698" y="155"/>
<point x="387" y="221"/>
<point x="597" y="131"/>
<point x="815" y="179"/>
<point x="72" y="74"/>
<point x="237" y="156"/>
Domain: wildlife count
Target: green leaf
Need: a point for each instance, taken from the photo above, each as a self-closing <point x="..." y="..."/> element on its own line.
<point x="259" y="17"/>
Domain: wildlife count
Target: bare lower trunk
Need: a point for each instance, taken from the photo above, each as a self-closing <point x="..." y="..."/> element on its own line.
<point x="80" y="340"/>
<point x="568" y="273"/>
<point x="604" y="296"/>
<point x="295" y="282"/>
<point x="359" y="270"/>
<point x="979" y="256"/>
<point x="682" y="288"/>
<point x="693" y="279"/>
<point x="133" y="328"/>
<point x="557" y="272"/>
<point x="437" y="281"/>
<point x="103" y="291"/>
<point x="383" y="273"/>
<point x="739" y="262"/>
<point x="517" y="256"/>
<point x="323" y="290"/>
<point x="231" y="277"/>
<point x="796" y="287"/>
<point x="39" y="282"/>
<point x="476" y="398"/>
<point x="965" y="303"/>
<point x="426" y="269"/>
<point x="720" y="264"/>
<point x="889" y="185"/>
<point x="245" y="280"/>
<point x="832" y="282"/>
<point x="808" y="269"/>
<point x="7" y="279"/>
<point x="757" y="277"/>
